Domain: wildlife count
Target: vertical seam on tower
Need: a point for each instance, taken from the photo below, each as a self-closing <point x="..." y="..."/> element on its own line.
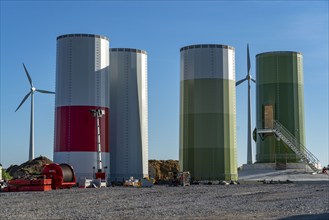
<point x="98" y="68"/>
<point x="278" y="90"/>
<point x="234" y="107"/>
<point x="212" y="62"/>
<point x="70" y="99"/>
<point x="55" y="140"/>
<point x="127" y="113"/>
<point x="277" y="104"/>
<point x="145" y="117"/>
<point x="184" y="104"/>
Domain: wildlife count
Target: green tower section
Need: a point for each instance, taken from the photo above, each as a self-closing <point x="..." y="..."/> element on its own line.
<point x="280" y="97"/>
<point x="207" y="114"/>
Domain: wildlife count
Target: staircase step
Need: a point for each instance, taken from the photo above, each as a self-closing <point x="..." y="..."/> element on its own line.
<point x="295" y="146"/>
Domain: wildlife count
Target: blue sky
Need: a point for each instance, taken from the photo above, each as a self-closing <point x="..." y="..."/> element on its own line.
<point x="29" y="30"/>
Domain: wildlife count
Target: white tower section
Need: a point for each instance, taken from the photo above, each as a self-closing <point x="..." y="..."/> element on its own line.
<point x="82" y="84"/>
<point x="129" y="114"/>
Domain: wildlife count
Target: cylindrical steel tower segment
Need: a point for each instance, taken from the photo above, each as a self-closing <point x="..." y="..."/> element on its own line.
<point x="208" y="112"/>
<point x="82" y="84"/>
<point x="129" y="113"/>
<point x="280" y="97"/>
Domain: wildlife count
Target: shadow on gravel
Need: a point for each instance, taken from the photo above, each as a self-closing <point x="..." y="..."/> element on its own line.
<point x="314" y="216"/>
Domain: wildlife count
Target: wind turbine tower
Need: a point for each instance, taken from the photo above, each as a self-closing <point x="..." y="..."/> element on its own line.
<point x="33" y="89"/>
<point x="249" y="134"/>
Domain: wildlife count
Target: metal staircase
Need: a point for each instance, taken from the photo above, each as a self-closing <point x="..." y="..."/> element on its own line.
<point x="281" y="132"/>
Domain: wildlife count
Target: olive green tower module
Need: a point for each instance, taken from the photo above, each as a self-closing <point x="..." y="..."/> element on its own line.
<point x="279" y="97"/>
<point x="207" y="145"/>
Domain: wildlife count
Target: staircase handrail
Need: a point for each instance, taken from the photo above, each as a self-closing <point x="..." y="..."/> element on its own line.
<point x="278" y="126"/>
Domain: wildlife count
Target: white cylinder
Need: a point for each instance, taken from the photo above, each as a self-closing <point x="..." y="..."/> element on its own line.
<point x="0" y="171"/>
<point x="82" y="84"/>
<point x="208" y="112"/>
<point x="129" y="114"/>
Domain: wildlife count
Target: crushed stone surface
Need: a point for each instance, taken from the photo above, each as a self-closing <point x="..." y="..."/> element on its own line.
<point x="244" y="201"/>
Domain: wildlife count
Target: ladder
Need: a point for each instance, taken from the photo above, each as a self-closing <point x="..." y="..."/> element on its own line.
<point x="281" y="132"/>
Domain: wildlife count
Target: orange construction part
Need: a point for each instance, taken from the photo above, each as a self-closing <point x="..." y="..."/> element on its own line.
<point x="20" y="182"/>
<point x="27" y="188"/>
<point x="28" y="185"/>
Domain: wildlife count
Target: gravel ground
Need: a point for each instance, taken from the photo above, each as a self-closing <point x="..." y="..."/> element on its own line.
<point x="244" y="201"/>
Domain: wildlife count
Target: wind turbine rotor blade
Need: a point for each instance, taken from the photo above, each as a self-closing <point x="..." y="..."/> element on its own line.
<point x="27" y="95"/>
<point x="240" y="81"/>
<point x="44" y="91"/>
<point x="253" y="80"/>
<point x="248" y="59"/>
<point x="28" y="75"/>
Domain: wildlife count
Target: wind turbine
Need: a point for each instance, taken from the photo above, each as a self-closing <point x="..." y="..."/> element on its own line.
<point x="249" y="134"/>
<point x="33" y="89"/>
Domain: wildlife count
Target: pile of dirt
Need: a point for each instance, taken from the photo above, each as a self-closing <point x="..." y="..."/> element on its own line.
<point x="28" y="169"/>
<point x="159" y="168"/>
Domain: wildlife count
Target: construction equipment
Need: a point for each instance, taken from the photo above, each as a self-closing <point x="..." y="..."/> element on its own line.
<point x="61" y="175"/>
<point x="147" y="182"/>
<point x="21" y="185"/>
<point x="100" y="176"/>
<point x="179" y="178"/>
<point x="84" y="182"/>
<point x="54" y="176"/>
<point x="132" y="182"/>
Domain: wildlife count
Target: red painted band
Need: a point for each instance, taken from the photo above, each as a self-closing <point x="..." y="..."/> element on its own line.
<point x="75" y="129"/>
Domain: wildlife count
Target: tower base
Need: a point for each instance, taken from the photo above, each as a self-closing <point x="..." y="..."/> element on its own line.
<point x="277" y="166"/>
